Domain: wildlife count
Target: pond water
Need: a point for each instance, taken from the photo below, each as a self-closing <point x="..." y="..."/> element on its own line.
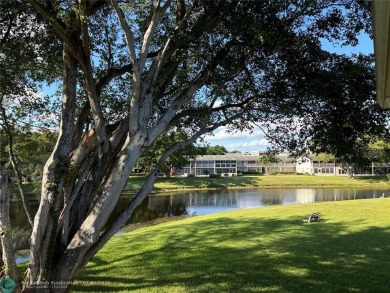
<point x="207" y="202"/>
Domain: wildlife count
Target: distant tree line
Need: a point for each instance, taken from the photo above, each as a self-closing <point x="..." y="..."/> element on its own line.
<point x="31" y="150"/>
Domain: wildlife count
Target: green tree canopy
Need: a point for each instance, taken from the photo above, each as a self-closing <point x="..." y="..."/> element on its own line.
<point x="268" y="158"/>
<point x="216" y="150"/>
<point x="379" y="151"/>
<point x="31" y="148"/>
<point x="339" y="117"/>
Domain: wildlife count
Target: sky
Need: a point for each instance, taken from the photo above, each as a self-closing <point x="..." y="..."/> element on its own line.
<point x="256" y="141"/>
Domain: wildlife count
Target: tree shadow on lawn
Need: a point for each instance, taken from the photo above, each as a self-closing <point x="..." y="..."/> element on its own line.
<point x="279" y="255"/>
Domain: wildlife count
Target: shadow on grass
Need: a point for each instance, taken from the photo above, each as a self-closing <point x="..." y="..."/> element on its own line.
<point x="273" y="255"/>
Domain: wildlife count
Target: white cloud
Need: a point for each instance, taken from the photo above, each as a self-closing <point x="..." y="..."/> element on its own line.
<point x="256" y="143"/>
<point x="244" y="141"/>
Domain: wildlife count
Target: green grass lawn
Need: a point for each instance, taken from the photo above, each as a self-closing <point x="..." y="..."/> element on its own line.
<point x="256" y="181"/>
<point x="255" y="250"/>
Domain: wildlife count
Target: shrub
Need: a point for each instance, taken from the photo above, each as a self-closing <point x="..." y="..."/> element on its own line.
<point x="252" y="173"/>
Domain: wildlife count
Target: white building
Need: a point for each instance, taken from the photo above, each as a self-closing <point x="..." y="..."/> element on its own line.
<point x="231" y="164"/>
<point x="306" y="165"/>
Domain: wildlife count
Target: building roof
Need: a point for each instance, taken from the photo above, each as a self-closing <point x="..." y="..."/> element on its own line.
<point x="236" y="157"/>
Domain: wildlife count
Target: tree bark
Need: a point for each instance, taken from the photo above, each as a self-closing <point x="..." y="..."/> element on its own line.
<point x="44" y="234"/>
<point x="93" y="224"/>
<point x="8" y="255"/>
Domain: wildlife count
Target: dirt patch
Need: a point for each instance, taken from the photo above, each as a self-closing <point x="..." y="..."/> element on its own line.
<point x="132" y="227"/>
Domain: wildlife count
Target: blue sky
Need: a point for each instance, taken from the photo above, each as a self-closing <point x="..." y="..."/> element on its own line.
<point x="247" y="142"/>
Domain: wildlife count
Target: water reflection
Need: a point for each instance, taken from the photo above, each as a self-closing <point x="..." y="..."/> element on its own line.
<point x="207" y="202"/>
<point x="18" y="215"/>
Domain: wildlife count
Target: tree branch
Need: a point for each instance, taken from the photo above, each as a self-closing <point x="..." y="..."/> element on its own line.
<point x="193" y="87"/>
<point x="92" y="93"/>
<point x="81" y="121"/>
<point x="129" y="35"/>
<point x="113" y="72"/>
<point x="59" y="26"/>
<point x="157" y="15"/>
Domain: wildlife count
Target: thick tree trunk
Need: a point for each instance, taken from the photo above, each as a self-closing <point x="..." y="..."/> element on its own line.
<point x="44" y="234"/>
<point x="5" y="231"/>
<point x="91" y="228"/>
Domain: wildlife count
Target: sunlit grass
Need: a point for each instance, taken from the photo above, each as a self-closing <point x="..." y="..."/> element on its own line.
<point x="256" y="250"/>
<point x="245" y="181"/>
<point x="257" y="181"/>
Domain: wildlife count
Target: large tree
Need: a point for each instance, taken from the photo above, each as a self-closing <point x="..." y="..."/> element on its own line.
<point x="133" y="70"/>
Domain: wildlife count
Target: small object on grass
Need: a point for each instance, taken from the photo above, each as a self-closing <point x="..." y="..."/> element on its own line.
<point x="314" y="217"/>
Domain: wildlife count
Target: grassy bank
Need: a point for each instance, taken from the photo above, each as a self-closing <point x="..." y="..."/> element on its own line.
<point x="256" y="181"/>
<point x="257" y="250"/>
<point x="245" y="181"/>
